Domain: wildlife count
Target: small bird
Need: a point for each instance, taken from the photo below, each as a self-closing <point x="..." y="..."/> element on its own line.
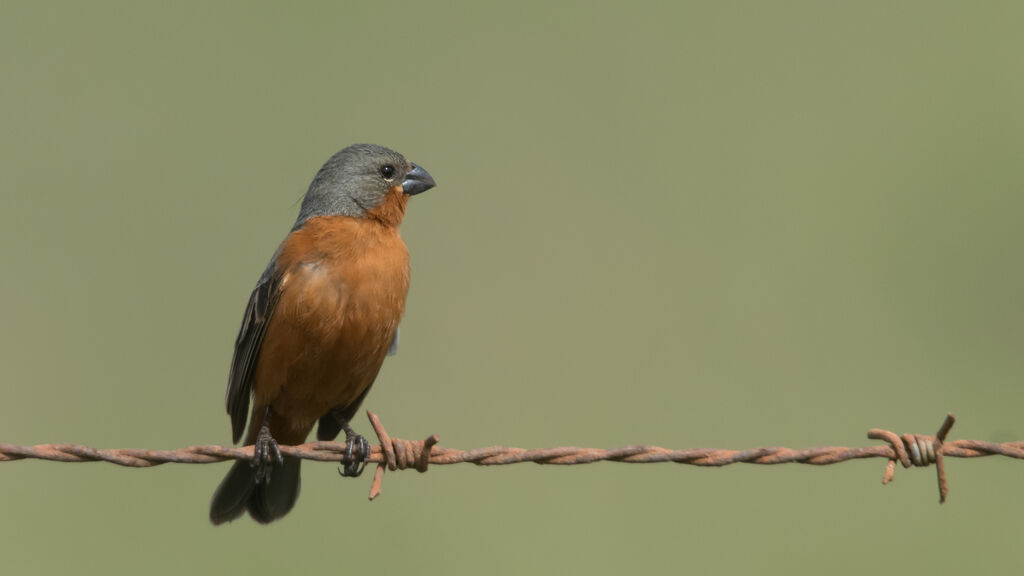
<point x="319" y="323"/>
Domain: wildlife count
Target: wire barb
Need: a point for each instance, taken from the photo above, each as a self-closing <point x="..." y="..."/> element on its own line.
<point x="917" y="450"/>
<point x="397" y="454"/>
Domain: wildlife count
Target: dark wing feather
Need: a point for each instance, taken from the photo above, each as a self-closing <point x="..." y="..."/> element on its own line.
<point x="247" y="347"/>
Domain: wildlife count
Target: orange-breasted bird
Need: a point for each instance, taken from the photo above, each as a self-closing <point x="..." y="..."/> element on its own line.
<point x="319" y="323"/>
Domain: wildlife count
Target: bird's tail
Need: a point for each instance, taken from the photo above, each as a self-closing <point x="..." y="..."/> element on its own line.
<point x="266" y="501"/>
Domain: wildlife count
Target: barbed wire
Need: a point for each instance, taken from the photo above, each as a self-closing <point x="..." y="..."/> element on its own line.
<point x="398" y="454"/>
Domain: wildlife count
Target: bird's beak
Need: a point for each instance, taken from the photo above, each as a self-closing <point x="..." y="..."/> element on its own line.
<point x="417" y="181"/>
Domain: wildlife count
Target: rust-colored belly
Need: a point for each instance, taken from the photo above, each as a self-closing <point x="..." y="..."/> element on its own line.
<point x="345" y="283"/>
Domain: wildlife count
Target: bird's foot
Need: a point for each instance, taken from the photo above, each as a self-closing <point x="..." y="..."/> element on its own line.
<point x="265" y="454"/>
<point x="357" y="454"/>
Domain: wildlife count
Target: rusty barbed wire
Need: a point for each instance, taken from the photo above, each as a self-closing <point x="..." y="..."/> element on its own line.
<point x="398" y="454"/>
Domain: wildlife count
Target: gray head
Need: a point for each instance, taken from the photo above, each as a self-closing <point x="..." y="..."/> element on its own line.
<point x="358" y="179"/>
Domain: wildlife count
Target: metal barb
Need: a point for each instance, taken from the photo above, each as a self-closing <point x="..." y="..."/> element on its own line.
<point x="398" y="454"/>
<point x="918" y="450"/>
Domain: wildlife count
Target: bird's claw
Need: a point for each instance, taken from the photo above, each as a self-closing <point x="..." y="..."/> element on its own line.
<point x="357" y="454"/>
<point x="265" y="453"/>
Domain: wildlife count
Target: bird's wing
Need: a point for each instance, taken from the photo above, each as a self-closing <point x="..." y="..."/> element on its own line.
<point x="247" y="347"/>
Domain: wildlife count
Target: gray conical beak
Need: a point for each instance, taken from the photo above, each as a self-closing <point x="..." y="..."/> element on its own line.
<point x="417" y="181"/>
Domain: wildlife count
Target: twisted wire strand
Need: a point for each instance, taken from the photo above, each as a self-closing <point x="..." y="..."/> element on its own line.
<point x="398" y="454"/>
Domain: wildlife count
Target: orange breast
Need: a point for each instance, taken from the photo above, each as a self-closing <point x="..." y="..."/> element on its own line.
<point x="344" y="287"/>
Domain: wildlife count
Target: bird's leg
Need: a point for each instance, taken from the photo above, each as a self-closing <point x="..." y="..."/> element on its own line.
<point x="357" y="452"/>
<point x="265" y="452"/>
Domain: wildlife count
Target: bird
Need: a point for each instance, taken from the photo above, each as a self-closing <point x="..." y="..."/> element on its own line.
<point x="318" y="325"/>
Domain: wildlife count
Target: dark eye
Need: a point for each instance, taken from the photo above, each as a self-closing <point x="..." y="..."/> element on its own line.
<point x="387" y="171"/>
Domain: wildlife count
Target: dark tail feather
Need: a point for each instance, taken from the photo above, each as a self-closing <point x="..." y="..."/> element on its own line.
<point x="266" y="502"/>
<point x="270" y="501"/>
<point x="233" y="493"/>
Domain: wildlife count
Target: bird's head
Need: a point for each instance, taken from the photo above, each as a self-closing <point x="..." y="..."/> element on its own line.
<point x="364" y="181"/>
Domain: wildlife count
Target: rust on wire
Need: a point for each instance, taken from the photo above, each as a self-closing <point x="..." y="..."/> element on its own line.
<point x="397" y="454"/>
<point x="918" y="450"/>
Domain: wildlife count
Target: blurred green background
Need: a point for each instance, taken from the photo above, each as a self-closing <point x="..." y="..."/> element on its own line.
<point x="706" y="225"/>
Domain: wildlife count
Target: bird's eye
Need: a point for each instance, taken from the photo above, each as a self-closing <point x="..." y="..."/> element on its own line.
<point x="388" y="172"/>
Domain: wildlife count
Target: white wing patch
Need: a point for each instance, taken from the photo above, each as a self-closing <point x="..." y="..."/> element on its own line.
<point x="393" y="349"/>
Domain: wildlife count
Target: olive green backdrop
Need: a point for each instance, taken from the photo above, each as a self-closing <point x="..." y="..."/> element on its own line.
<point x="708" y="225"/>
